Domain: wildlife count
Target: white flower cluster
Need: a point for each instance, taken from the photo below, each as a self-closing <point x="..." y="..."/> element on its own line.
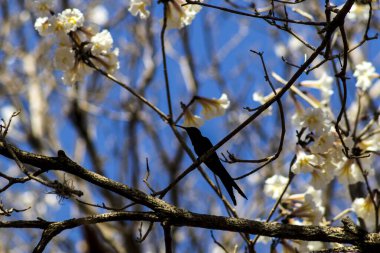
<point x="365" y="72"/>
<point x="177" y="14"/>
<point x="211" y="108"/>
<point x="305" y="208"/>
<point x="323" y="157"/>
<point x="320" y="154"/>
<point x="78" y="46"/>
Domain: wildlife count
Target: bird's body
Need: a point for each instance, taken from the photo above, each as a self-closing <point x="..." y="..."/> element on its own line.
<point x="201" y="145"/>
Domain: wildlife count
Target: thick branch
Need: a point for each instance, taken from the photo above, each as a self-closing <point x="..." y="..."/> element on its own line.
<point x="63" y="163"/>
<point x="189" y="219"/>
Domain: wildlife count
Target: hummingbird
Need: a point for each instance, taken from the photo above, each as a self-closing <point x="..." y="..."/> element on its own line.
<point x="201" y="145"/>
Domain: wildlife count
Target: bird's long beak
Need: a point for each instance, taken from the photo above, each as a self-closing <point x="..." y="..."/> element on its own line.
<point x="181" y="127"/>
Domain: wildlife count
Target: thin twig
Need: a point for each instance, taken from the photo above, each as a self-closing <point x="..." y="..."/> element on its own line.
<point x="166" y="75"/>
<point x="265" y="17"/>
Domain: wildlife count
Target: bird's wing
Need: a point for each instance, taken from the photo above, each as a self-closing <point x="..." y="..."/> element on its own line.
<point x="202" y="147"/>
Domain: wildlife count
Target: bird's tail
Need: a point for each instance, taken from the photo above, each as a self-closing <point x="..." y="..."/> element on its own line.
<point x="229" y="184"/>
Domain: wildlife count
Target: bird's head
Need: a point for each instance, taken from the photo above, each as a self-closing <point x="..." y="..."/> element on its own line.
<point x="191" y="131"/>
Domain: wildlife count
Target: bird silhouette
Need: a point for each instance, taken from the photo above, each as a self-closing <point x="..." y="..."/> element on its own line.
<point x="201" y="145"/>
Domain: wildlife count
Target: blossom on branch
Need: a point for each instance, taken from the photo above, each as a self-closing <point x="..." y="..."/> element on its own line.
<point x="324" y="142"/>
<point x="364" y="209"/>
<point x="71" y="19"/>
<point x="315" y="119"/>
<point x="214" y="107"/>
<point x="180" y="15"/>
<point x="138" y="7"/>
<point x="192" y="120"/>
<point x="43" y="26"/>
<point x="67" y="21"/>
<point x="321" y="177"/>
<point x="365" y="72"/>
<point x="312" y="210"/>
<point x="304" y="163"/>
<point x="79" y="47"/>
<point x="101" y="43"/>
<point x="348" y="172"/>
<point x="306" y="208"/>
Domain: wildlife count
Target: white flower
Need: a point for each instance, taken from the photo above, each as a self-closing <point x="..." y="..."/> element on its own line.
<point x="190" y="11"/>
<point x="275" y="185"/>
<point x="370" y="144"/>
<point x="76" y="74"/>
<point x="138" y="7"/>
<point x="320" y="178"/>
<point x="314" y="201"/>
<point x="304" y="163"/>
<point x="314" y="119"/>
<point x="113" y="61"/>
<point x="365" y="72"/>
<point x="57" y="26"/>
<point x="109" y="61"/>
<point x="348" y="172"/>
<point x="191" y="120"/>
<point x="328" y="164"/>
<point x="324" y="142"/>
<point x="71" y="19"/>
<point x="313" y="195"/>
<point x="311" y="210"/>
<point x="363" y="207"/>
<point x="64" y="58"/>
<point x="101" y="42"/>
<point x="43" y="26"/>
<point x="43" y="7"/>
<point x="214" y="107"/>
<point x="178" y="15"/>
